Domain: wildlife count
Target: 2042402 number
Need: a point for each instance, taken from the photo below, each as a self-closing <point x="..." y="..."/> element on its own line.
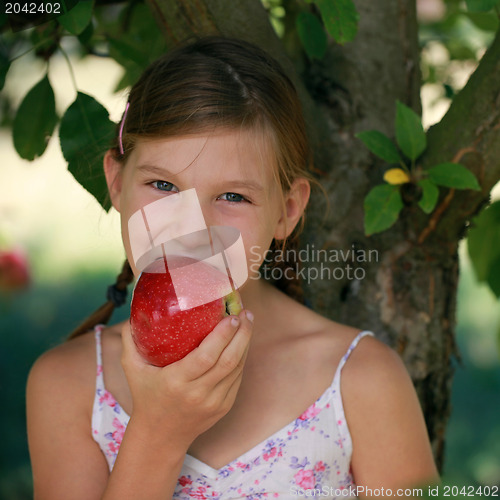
<point x="470" y="491"/>
<point x="32" y="8"/>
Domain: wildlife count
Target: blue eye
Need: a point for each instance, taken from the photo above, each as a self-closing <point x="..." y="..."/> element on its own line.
<point x="232" y="197"/>
<point x="164" y="186"/>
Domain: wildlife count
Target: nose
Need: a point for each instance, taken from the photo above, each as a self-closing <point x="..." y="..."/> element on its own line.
<point x="196" y="245"/>
<point x="166" y="220"/>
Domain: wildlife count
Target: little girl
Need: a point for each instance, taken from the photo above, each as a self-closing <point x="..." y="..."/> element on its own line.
<point x="277" y="402"/>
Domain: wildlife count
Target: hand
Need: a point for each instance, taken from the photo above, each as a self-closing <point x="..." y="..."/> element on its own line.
<point x="187" y="397"/>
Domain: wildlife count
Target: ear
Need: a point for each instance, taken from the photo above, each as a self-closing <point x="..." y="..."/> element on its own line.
<point x="295" y="203"/>
<point x="113" y="171"/>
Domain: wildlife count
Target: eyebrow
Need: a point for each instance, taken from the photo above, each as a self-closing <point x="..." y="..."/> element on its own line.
<point x="252" y="185"/>
<point x="236" y="183"/>
<point x="154" y="170"/>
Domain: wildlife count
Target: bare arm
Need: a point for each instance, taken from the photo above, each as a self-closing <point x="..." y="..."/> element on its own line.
<point x="66" y="462"/>
<point x="391" y="447"/>
<point x="171" y="407"/>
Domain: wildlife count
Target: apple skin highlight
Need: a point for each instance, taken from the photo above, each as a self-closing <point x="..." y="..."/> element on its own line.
<point x="162" y="331"/>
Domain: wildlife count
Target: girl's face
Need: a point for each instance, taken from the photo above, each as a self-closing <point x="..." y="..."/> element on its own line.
<point x="232" y="173"/>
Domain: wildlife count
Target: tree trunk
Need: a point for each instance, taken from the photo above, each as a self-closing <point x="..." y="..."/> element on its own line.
<point x="402" y="283"/>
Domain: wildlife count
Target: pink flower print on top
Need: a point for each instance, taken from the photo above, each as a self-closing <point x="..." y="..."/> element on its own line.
<point x="320" y="466"/>
<point x="311" y="452"/>
<point x="113" y="449"/>
<point x="305" y="479"/>
<point x="203" y="493"/>
<point x="120" y="431"/>
<point x="108" y="399"/>
<point x="271" y="454"/>
<point x="311" y="412"/>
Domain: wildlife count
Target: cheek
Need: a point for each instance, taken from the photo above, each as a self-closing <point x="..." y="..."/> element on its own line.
<point x="258" y="238"/>
<point x="126" y="244"/>
<point x="130" y="202"/>
<point x="256" y="252"/>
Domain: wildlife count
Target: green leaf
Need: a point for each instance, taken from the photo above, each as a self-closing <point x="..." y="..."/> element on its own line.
<point x="453" y="175"/>
<point x="126" y="52"/>
<point x="410" y="134"/>
<point x="86" y="35"/>
<point x="494" y="277"/>
<point x="86" y="133"/>
<point x="483" y="241"/>
<point x="380" y="145"/>
<point x="481" y="5"/>
<point x="35" y="121"/>
<point x="312" y="35"/>
<point x="4" y="67"/>
<point x="487" y="21"/>
<point x="45" y="39"/>
<point x="340" y="18"/>
<point x="139" y="46"/>
<point x="130" y="58"/>
<point x="77" y="19"/>
<point x="382" y="206"/>
<point x="430" y="195"/>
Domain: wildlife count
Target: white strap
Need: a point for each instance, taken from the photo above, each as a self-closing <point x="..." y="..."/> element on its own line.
<point x="345" y="436"/>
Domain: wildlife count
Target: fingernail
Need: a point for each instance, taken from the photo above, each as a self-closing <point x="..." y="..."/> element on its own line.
<point x="249" y="316"/>
<point x="235" y="321"/>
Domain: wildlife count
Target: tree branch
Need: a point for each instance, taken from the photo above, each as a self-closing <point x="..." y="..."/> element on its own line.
<point x="472" y="126"/>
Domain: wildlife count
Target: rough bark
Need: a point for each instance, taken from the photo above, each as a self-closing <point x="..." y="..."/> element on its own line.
<point x="407" y="294"/>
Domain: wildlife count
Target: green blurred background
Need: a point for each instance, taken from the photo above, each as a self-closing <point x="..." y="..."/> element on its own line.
<point x="75" y="252"/>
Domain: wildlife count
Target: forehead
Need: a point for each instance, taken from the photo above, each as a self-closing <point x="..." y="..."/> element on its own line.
<point x="244" y="153"/>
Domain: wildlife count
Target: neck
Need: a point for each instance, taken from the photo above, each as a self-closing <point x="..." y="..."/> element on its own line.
<point x="253" y="295"/>
<point x="262" y="299"/>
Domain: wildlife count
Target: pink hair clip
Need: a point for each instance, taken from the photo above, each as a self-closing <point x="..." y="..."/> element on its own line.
<point x="122" y="124"/>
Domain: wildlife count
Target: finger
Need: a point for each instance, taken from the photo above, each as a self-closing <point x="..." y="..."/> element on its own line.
<point x="232" y="357"/>
<point x="232" y="390"/>
<point x="130" y="354"/>
<point x="206" y="355"/>
<point x="223" y="386"/>
<point x="227" y="389"/>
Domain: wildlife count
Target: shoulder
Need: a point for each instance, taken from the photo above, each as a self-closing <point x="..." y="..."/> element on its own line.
<point x="373" y="363"/>
<point x="375" y="376"/>
<point x="64" y="375"/>
<point x="67" y="370"/>
<point x="59" y="402"/>
<point x="390" y="441"/>
<point x="61" y="385"/>
<point x="67" y="360"/>
<point x="75" y="358"/>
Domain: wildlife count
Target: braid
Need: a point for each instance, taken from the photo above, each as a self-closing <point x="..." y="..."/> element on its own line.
<point x="288" y="280"/>
<point x="116" y="296"/>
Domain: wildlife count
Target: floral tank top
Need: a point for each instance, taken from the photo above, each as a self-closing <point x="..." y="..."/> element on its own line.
<point x="308" y="457"/>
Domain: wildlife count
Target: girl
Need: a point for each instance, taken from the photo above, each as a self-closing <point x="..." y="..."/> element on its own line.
<point x="276" y="402"/>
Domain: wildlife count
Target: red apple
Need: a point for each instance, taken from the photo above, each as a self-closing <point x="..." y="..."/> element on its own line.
<point x="163" y="332"/>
